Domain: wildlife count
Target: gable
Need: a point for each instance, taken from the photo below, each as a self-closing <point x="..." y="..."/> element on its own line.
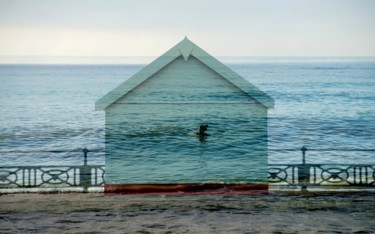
<point x="188" y="51"/>
<point x="188" y="81"/>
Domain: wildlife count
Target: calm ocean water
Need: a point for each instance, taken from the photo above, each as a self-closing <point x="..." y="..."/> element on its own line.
<point x="323" y="103"/>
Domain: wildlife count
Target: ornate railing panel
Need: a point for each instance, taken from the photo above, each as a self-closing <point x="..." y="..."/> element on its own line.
<point x="283" y="174"/>
<point x="321" y="174"/>
<point x="356" y="174"/>
<point x="306" y="174"/>
<point x="56" y="176"/>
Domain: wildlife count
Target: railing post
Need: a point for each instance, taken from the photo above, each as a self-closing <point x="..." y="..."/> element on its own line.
<point x="304" y="171"/>
<point x="85" y="151"/>
<point x="303" y="149"/>
<point x="85" y="172"/>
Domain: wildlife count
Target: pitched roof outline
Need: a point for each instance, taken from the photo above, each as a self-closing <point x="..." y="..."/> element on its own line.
<point x="185" y="48"/>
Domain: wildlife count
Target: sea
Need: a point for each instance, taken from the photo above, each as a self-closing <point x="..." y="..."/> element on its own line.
<point x="326" y="104"/>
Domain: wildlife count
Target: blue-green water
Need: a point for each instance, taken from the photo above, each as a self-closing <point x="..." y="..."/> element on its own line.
<point x="323" y="103"/>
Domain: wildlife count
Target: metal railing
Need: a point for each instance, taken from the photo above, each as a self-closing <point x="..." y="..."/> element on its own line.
<point x="307" y="174"/>
<point x="85" y="176"/>
<point x="322" y="174"/>
<point x="57" y="176"/>
<point x="46" y="176"/>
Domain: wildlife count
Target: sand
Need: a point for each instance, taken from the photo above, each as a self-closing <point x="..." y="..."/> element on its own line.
<point x="273" y="213"/>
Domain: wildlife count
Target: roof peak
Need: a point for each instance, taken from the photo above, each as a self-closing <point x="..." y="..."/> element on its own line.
<point x="186" y="47"/>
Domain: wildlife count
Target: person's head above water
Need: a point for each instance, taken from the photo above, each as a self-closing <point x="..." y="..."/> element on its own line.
<point x="202" y="129"/>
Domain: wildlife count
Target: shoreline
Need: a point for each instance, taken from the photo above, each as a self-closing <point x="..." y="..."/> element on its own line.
<point x="276" y="212"/>
<point x="271" y="189"/>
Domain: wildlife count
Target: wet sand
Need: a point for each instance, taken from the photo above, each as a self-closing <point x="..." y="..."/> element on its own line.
<point x="273" y="213"/>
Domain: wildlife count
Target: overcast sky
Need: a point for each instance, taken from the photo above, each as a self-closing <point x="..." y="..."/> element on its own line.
<point x="221" y="27"/>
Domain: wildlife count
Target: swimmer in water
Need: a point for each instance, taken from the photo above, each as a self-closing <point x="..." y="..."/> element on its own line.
<point x="202" y="130"/>
<point x="201" y="134"/>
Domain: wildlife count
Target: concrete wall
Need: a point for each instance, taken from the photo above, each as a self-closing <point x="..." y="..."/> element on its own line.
<point x="150" y="132"/>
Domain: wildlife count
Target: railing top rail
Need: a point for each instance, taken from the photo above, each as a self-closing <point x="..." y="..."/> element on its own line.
<point x="100" y="150"/>
<point x="270" y="164"/>
<point x="331" y="149"/>
<point x="322" y="164"/>
<point x="54" y="166"/>
<point x="53" y="151"/>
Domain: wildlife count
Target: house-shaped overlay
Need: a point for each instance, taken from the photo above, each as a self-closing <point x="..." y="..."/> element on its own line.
<point x="152" y="125"/>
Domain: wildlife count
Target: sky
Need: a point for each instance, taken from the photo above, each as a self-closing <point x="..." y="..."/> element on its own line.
<point x="221" y="27"/>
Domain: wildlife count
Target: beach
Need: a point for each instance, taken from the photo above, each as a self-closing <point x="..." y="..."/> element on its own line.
<point x="278" y="212"/>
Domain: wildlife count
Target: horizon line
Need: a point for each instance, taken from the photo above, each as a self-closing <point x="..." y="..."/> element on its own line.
<point x="142" y="60"/>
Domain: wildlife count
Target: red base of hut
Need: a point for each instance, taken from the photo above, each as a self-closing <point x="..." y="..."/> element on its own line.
<point x="251" y="189"/>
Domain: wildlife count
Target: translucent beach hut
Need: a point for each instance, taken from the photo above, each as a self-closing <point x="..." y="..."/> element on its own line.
<point x="185" y="122"/>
